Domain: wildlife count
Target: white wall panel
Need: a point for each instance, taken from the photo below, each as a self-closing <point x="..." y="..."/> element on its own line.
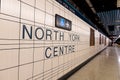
<point x="31" y="46"/>
<point x="27" y="12"/>
<point x="40" y="4"/>
<point x="10" y="7"/>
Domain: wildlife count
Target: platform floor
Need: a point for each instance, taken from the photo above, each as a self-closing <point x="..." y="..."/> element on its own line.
<point x="105" y="66"/>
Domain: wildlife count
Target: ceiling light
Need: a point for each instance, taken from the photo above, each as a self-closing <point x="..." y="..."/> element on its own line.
<point x="91" y="6"/>
<point x="118" y="3"/>
<point x="117" y="20"/>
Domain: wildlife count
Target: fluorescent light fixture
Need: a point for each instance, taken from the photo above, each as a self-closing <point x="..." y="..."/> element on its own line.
<point x="90" y="5"/>
<point x="117" y="20"/>
<point x="118" y="3"/>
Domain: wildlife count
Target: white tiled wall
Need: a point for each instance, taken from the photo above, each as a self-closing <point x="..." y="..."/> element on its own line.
<point x="24" y="59"/>
<point x="10" y="7"/>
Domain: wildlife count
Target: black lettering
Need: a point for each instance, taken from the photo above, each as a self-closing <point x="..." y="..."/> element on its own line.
<point x="74" y="37"/>
<point x="36" y="33"/>
<point x="61" y="52"/>
<point x="61" y="36"/>
<point x="55" y="51"/>
<point x="26" y="30"/>
<point x="78" y="37"/>
<point x="66" y="50"/>
<point x="70" y="49"/>
<point x="48" y="34"/>
<point x="56" y="34"/>
<point x="46" y="52"/>
<point x="73" y="48"/>
<point x="70" y="37"/>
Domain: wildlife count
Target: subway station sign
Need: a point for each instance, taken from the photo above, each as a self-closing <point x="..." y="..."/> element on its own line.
<point x="43" y="33"/>
<point x="62" y="22"/>
<point x="46" y="34"/>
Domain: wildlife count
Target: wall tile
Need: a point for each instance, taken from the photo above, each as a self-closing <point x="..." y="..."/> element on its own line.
<point x="38" y="53"/>
<point x="9" y="74"/>
<point x="25" y="72"/>
<point x="27" y="12"/>
<point x="10" y="7"/>
<point x="56" y="10"/>
<point x="8" y="17"/>
<point x="30" y="2"/>
<point x="54" y="78"/>
<point x="9" y="30"/>
<point x="39" y="78"/>
<point x="26" y="55"/>
<point x="39" y="16"/>
<point x="49" y="7"/>
<point x="40" y="4"/>
<point x="47" y="65"/>
<point x="8" y="58"/>
<point x="38" y="68"/>
<point x="61" y="60"/>
<point x="49" y="20"/>
<point x="54" y="62"/>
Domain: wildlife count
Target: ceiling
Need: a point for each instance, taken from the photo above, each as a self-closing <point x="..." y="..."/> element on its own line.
<point x="108" y="14"/>
<point x="103" y="13"/>
<point x="111" y="21"/>
<point x="104" y="5"/>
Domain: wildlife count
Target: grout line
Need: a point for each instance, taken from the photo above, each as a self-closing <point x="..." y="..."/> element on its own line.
<point x="51" y="45"/>
<point x="33" y="43"/>
<point x="0" y="6"/>
<point x="19" y="43"/>
<point x="44" y="41"/>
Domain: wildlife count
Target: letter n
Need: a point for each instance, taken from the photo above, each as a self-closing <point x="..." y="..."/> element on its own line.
<point x="25" y="30"/>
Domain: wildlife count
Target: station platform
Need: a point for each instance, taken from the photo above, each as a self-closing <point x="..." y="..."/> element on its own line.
<point x="105" y="66"/>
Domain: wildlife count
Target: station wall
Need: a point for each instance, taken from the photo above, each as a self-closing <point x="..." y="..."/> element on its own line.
<point x="32" y="48"/>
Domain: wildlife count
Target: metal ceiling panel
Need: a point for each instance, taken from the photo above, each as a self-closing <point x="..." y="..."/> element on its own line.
<point x="110" y="18"/>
